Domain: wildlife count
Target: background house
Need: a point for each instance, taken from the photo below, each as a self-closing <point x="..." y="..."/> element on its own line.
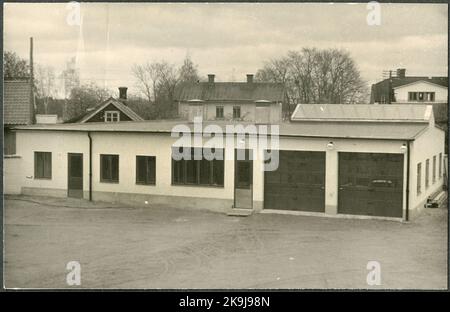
<point x="111" y="110"/>
<point x="402" y="89"/>
<point x="260" y="102"/>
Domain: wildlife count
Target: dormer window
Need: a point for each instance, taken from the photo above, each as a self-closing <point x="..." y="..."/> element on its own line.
<point x="112" y="116"/>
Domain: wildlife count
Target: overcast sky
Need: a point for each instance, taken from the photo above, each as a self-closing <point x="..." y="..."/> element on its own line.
<point x="229" y="40"/>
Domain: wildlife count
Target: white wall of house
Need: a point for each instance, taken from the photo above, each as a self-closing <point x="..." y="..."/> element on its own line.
<point x="248" y="111"/>
<point x="401" y="93"/>
<point x="12" y="174"/>
<point x="430" y="143"/>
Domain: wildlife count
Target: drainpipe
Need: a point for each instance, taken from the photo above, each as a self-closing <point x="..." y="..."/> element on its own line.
<point x="407" y="180"/>
<point x="90" y="165"/>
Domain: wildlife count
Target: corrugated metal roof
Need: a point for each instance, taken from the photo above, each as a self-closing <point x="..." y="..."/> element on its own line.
<point x="369" y="112"/>
<point x="230" y="91"/>
<point x="16" y="102"/>
<point x="356" y="130"/>
<point x="125" y="109"/>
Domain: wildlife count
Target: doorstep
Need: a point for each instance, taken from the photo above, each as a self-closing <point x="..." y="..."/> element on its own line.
<point x="239" y="212"/>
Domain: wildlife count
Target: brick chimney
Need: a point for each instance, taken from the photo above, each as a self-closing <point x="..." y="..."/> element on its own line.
<point x="249" y="78"/>
<point x="123" y="94"/>
<point x="211" y="78"/>
<point x="401" y="72"/>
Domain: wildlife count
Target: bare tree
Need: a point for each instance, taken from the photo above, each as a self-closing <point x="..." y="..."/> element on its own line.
<point x="157" y="82"/>
<point x="317" y="76"/>
<point x="45" y="84"/>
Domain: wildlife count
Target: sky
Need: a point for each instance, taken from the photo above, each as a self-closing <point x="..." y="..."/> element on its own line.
<point x="229" y="40"/>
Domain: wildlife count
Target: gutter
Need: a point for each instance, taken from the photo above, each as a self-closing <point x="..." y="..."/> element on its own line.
<point x="90" y="165"/>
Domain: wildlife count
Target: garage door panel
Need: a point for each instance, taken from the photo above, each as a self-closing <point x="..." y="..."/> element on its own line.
<point x="371" y="184"/>
<point x="298" y="183"/>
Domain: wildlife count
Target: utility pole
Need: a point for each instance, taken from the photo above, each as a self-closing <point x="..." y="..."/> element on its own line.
<point x="32" y="115"/>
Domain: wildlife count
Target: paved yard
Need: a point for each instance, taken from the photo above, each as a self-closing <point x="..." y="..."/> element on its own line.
<point x="162" y="247"/>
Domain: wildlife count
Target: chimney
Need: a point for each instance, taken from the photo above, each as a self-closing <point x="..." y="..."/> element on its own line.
<point x="123" y="94"/>
<point x="401" y="72"/>
<point x="249" y="78"/>
<point x="211" y="78"/>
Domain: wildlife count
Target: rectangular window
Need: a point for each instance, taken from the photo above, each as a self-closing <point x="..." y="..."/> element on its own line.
<point x="440" y="165"/>
<point x="146" y="170"/>
<point x="434" y="169"/>
<point x="112" y="116"/>
<point x="109" y="168"/>
<point x="419" y="178"/>
<point x="236" y="112"/>
<point x="42" y="165"/>
<point x="219" y="112"/>
<point x="427" y="173"/>
<point x="198" y="172"/>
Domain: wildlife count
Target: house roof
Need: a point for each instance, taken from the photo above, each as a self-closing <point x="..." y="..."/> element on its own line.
<point x="366" y="113"/>
<point x="397" y="81"/>
<point x="427" y="81"/>
<point x="17" y="102"/>
<point x="119" y="105"/>
<point x="349" y="129"/>
<point x="230" y="91"/>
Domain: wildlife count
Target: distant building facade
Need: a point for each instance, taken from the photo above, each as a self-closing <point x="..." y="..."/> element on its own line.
<point x="259" y="102"/>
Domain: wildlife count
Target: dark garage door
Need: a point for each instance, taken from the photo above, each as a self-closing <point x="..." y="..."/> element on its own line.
<point x="298" y="183"/>
<point x="370" y="184"/>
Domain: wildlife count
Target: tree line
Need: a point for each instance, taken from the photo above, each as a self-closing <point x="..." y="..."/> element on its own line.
<point x="310" y="76"/>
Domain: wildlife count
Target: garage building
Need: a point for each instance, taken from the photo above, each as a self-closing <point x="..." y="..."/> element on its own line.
<point x="378" y="161"/>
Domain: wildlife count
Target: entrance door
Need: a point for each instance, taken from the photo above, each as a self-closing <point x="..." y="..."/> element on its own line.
<point x="371" y="184"/>
<point x="243" y="179"/>
<point x="75" y="175"/>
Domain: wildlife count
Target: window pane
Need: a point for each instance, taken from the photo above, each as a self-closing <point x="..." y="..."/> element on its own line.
<point x="140" y="169"/>
<point x="115" y="167"/>
<point x="218" y="172"/>
<point x="191" y="171"/>
<point x="205" y="171"/>
<point x="151" y="170"/>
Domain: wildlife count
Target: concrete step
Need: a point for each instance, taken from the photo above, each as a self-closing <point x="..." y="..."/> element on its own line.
<point x="239" y="212"/>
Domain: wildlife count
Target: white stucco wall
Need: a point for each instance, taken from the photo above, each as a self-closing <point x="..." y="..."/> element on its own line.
<point x="430" y="143"/>
<point x="401" y="93"/>
<point x="128" y="145"/>
<point x="12" y="174"/>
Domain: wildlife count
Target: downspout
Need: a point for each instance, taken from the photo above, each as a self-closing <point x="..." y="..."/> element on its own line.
<point x="407" y="180"/>
<point x="90" y="165"/>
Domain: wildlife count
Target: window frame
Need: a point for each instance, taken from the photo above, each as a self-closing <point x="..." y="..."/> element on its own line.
<point x="112" y="114"/>
<point x="37" y="176"/>
<point x="221" y="109"/>
<point x="181" y="177"/>
<point x="440" y="165"/>
<point x="236" y="108"/>
<point x="419" y="178"/>
<point x="433" y="173"/>
<point x="427" y="173"/>
<point x="148" y="180"/>
<point x="102" y="179"/>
